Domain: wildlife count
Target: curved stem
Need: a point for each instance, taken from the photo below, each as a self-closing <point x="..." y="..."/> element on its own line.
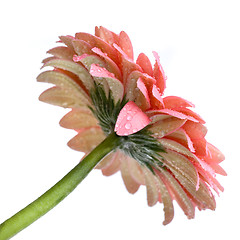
<point x="58" y="192"/>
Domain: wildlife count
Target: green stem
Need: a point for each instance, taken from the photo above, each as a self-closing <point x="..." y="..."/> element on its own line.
<point x="58" y="192"/>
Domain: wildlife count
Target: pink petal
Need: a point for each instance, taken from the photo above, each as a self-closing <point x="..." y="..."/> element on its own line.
<point x="159" y="74"/>
<point x="128" y="65"/>
<point x="172" y="102"/>
<point x="78" y="118"/>
<point x="215" y="155"/>
<point x="189" y="142"/>
<point x="132" y="92"/>
<point x="79" y="58"/>
<point x="75" y="68"/>
<point x="182" y="137"/>
<point x="200" y="146"/>
<point x="166" y="126"/>
<point x="151" y="185"/>
<point x="106" y="161"/>
<point x="180" y="164"/>
<point x="81" y="47"/>
<point x="131" y="185"/>
<point x="179" y="194"/>
<point x="145" y="64"/>
<point x="157" y="95"/>
<point x="136" y="170"/>
<point x="218" y="169"/>
<point x="206" y="167"/>
<point x="177" y="147"/>
<point x="131" y="119"/>
<point x="166" y="199"/>
<point x="63" y="81"/>
<point x="105" y="35"/>
<point x="195" y="130"/>
<point x="61" y="52"/>
<point x="177" y="114"/>
<point x="114" y="166"/>
<point x="112" y="66"/>
<point x="67" y="40"/>
<point x="97" y="71"/>
<point x="143" y="89"/>
<point x="114" y="84"/>
<point x="98" y="42"/>
<point x="87" y="140"/>
<point x="190" y="113"/>
<point x="125" y="44"/>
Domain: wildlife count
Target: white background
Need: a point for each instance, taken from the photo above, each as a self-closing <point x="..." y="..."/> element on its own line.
<point x="198" y="43"/>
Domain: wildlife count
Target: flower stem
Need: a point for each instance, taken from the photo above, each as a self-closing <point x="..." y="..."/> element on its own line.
<point x="59" y="191"/>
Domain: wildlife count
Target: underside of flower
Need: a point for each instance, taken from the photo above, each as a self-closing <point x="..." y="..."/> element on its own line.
<point x="107" y="113"/>
<point x="162" y="141"/>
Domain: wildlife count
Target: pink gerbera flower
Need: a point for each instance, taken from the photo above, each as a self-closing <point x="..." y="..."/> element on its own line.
<point x="163" y="143"/>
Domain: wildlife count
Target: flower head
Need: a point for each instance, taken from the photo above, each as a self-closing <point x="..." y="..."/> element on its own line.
<point x="163" y="140"/>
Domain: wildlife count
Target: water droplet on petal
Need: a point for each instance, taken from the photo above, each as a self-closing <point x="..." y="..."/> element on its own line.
<point x="129" y="117"/>
<point x="128" y="126"/>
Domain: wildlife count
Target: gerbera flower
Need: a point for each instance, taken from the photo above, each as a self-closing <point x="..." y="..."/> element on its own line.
<point x="163" y="143"/>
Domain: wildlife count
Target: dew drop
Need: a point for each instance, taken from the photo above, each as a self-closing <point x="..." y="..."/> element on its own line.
<point x="128" y="125"/>
<point x="129" y="117"/>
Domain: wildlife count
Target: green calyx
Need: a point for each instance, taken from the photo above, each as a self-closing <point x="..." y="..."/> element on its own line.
<point x="141" y="146"/>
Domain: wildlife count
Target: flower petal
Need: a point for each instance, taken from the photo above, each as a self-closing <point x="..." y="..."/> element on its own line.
<point x="87" y="139"/>
<point x="177" y="147"/>
<point x="128" y="65"/>
<point x="67" y="40"/>
<point x="200" y="146"/>
<point x="157" y="117"/>
<point x="144" y="62"/>
<point x="61" y="52"/>
<point x="114" y="84"/>
<point x="131" y="119"/>
<point x="167" y="201"/>
<point x="143" y="89"/>
<point x="195" y="130"/>
<point x="111" y="65"/>
<point x="106" y="161"/>
<point x="131" y="185"/>
<point x="188" y="112"/>
<point x="159" y="74"/>
<point x="156" y="94"/>
<point x="125" y="44"/>
<point x="215" y="155"/>
<point x="181" y="165"/>
<point x="182" y="137"/>
<point x="81" y="47"/>
<point x="136" y="171"/>
<point x="98" y="42"/>
<point x="132" y="91"/>
<point x="61" y="97"/>
<point x="106" y="35"/>
<point x="177" y="114"/>
<point x="75" y="68"/>
<point x="173" y="102"/>
<point x="179" y="194"/>
<point x="152" y="190"/>
<point x="218" y="169"/>
<point x="64" y="82"/>
<point x="88" y="60"/>
<point x="166" y="126"/>
<point x="78" y="118"/>
<point x="114" y="166"/>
